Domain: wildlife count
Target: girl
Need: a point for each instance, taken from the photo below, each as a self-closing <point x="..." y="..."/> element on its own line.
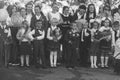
<point x="91" y="12"/>
<point x="53" y="35"/>
<point x="94" y="44"/>
<point x="72" y="38"/>
<point x="24" y="38"/>
<point x="105" y="43"/>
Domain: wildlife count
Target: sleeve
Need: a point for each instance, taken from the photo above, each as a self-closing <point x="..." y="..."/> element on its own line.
<point x="48" y="34"/>
<point x="31" y="34"/>
<point x="19" y="34"/>
<point x="41" y="37"/>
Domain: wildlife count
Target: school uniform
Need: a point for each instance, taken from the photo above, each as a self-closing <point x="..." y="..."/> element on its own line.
<point x="6" y="43"/>
<point x="85" y="41"/>
<point x="38" y="46"/>
<point x="105" y="46"/>
<point x="52" y="44"/>
<point x="1" y="45"/>
<point x="117" y="56"/>
<point x="24" y="42"/>
<point x="94" y="48"/>
<point x="67" y="19"/>
<point x="72" y="41"/>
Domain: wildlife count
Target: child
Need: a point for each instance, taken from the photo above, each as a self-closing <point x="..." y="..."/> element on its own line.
<point x="94" y="44"/>
<point x="53" y="35"/>
<point x="105" y="43"/>
<point x="25" y="39"/>
<point x="85" y="44"/>
<point x="115" y="32"/>
<point x="72" y="38"/>
<point x="38" y="43"/>
<point x="117" y="56"/>
<point x="5" y="36"/>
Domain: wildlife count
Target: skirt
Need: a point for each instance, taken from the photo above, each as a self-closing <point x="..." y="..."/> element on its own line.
<point x="53" y="46"/>
<point x="94" y="48"/>
<point x="25" y="48"/>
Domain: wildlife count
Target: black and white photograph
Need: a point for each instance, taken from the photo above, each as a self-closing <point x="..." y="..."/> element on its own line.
<point x="59" y="39"/>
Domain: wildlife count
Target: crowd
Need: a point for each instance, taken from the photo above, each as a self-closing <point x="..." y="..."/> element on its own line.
<point x="45" y="33"/>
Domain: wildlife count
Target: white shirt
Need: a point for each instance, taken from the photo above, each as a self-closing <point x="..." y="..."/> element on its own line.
<point x="20" y="34"/>
<point x="8" y="31"/>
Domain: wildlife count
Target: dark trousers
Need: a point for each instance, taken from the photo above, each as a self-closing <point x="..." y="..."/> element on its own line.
<point x="1" y="52"/>
<point x="71" y="56"/>
<point x="84" y="54"/>
<point x="7" y="50"/>
<point x="14" y="52"/>
<point x="38" y="51"/>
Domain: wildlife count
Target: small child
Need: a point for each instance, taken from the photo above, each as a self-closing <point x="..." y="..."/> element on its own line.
<point x="105" y="43"/>
<point x="54" y="35"/>
<point x="117" y="56"/>
<point x="72" y="38"/>
<point x="94" y="44"/>
<point x="38" y="43"/>
<point x="25" y="39"/>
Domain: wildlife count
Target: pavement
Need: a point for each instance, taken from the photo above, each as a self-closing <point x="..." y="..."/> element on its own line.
<point x="60" y="73"/>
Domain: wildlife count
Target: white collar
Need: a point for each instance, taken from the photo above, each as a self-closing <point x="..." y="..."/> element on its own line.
<point x="53" y="27"/>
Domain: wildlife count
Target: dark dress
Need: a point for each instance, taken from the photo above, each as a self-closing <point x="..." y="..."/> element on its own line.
<point x="72" y="42"/>
<point x="105" y="45"/>
<point x="53" y="45"/>
<point x="94" y="48"/>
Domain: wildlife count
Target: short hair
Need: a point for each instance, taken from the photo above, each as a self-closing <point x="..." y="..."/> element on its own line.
<point x="118" y="6"/>
<point x="38" y="6"/>
<point x="82" y="7"/>
<point x="116" y="23"/>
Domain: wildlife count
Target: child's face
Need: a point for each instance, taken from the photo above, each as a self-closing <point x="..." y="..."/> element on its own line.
<point x="55" y="8"/>
<point x="82" y="11"/>
<point x="85" y="26"/>
<point x="106" y="23"/>
<point x="95" y="25"/>
<point x="74" y="26"/>
<point x="39" y="25"/>
<point x="116" y="27"/>
<point x="91" y="8"/>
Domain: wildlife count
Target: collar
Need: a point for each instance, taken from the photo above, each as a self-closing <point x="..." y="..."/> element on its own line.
<point x="53" y="27"/>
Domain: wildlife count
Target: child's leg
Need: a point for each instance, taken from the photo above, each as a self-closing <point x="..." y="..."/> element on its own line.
<point x="102" y="61"/>
<point x="106" y="61"/>
<point x="22" y="60"/>
<point x="55" y="58"/>
<point x="27" y="60"/>
<point x="51" y="58"/>
<point x="95" y="61"/>
<point x="91" y="60"/>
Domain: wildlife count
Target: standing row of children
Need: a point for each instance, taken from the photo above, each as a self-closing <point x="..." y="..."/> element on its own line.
<point x="80" y="36"/>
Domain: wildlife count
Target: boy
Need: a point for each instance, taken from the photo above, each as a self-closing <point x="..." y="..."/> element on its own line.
<point x="38" y="43"/>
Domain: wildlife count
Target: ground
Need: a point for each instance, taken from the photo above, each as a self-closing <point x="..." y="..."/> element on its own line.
<point x="60" y="73"/>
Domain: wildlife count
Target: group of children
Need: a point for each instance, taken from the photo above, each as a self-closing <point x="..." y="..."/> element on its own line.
<point x="82" y="37"/>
